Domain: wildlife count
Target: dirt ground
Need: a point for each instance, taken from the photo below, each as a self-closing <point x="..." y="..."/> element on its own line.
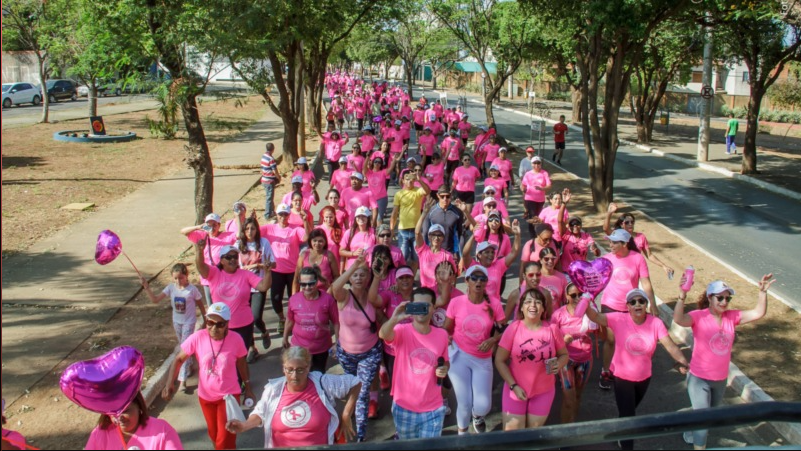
<point x="766" y="351"/>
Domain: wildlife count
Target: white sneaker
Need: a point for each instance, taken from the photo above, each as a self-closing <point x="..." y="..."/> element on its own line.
<point x="447" y="407"/>
<point x="688" y="437"/>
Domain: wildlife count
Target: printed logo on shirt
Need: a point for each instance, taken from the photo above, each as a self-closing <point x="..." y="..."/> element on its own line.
<point x="622" y="275"/>
<point x="212" y="367"/>
<point x="474" y="326"/>
<point x="296" y="415"/>
<point x="179" y="305"/>
<point x="438" y="318"/>
<point x="226" y="292"/>
<point x="721" y="343"/>
<point x="636" y="344"/>
<point x="422" y="361"/>
<point x="535" y="350"/>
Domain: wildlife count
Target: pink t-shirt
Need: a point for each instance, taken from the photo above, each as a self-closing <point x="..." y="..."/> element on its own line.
<point x="300" y="419"/>
<point x="308" y="178"/>
<point x="478" y="208"/>
<point x="497" y="271"/>
<point x="435" y="175"/>
<point x="427" y="144"/>
<point x="532" y="179"/>
<point x="491" y="151"/>
<point x="217" y="376"/>
<point x="419" y="116"/>
<point x="286" y="242"/>
<point x="234" y="291"/>
<point x="499" y="184"/>
<point x="466" y="178"/>
<point x="556" y="285"/>
<point x="505" y="166"/>
<point x="211" y="252"/>
<point x="17" y="439"/>
<point x="464" y="129"/>
<point x="414" y="382"/>
<point x="306" y="204"/>
<point x="580" y="349"/>
<point x="352" y="199"/>
<point x="377" y="183"/>
<point x="575" y="248"/>
<point x="451" y="148"/>
<point x="355" y="162"/>
<point x="473" y="323"/>
<point x="333" y="246"/>
<point x="428" y="264"/>
<point x="361" y="240"/>
<point x="713" y="343"/>
<point x="550" y="215"/>
<point x="626" y="276"/>
<point x="341" y="179"/>
<point x="296" y="220"/>
<point x="502" y="241"/>
<point x="528" y="351"/>
<point x="390" y="301"/>
<point x="396" y="145"/>
<point x="157" y="434"/>
<point x="641" y="242"/>
<point x="333" y="148"/>
<point x="529" y="256"/>
<point x="634" y="345"/>
<point x="368" y="143"/>
<point x="311" y="318"/>
<point x="354" y="329"/>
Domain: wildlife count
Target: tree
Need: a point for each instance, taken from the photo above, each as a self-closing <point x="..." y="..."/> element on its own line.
<point x="369" y="46"/>
<point x="410" y="30"/>
<point x="29" y="24"/>
<point x="441" y="53"/>
<point x="490" y="29"/>
<point x="607" y="39"/>
<point x="766" y="37"/>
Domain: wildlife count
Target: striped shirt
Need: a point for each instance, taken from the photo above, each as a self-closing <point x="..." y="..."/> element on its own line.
<point x="268" y="169"/>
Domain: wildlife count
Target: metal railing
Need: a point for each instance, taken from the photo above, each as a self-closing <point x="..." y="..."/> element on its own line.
<point x="603" y="431"/>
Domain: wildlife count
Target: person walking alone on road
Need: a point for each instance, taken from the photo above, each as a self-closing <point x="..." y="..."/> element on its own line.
<point x="559" y="133"/>
<point x="713" y="331"/>
<point x="731" y="134"/>
<point x="269" y="178"/>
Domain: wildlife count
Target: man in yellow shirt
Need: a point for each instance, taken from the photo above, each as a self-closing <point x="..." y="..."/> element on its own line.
<point x="408" y="206"/>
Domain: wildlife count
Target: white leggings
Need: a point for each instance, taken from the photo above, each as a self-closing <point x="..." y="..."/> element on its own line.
<point x="472" y="382"/>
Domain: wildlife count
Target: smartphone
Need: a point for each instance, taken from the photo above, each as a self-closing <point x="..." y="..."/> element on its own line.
<point x="550" y="365"/>
<point x="417" y="308"/>
<point x="378" y="265"/>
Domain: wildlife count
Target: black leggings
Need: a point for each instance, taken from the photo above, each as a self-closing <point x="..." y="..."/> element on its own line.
<point x="257" y="299"/>
<point x="628" y="395"/>
<point x="533" y="210"/>
<point x="282" y="282"/>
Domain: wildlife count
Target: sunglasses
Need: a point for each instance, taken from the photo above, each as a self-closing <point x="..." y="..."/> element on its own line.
<point x="628" y="221"/>
<point x="549" y="259"/>
<point x="384" y="235"/>
<point x="722" y="298"/>
<point x="534" y="274"/>
<point x="230" y="256"/>
<point x="444" y="196"/>
<point x="217" y="324"/>
<point x="478" y="278"/>
<point x="637" y="301"/>
<point x="437" y="236"/>
<point x="574" y="224"/>
<point x="308" y="284"/>
<point x="493" y="220"/>
<point x="574" y="295"/>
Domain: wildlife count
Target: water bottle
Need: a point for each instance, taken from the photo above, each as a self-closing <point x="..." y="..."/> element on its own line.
<point x="688" y="279"/>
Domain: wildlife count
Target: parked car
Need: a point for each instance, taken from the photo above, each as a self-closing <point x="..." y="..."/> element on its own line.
<point x="61" y="90"/>
<point x="83" y="90"/>
<point x="19" y="93"/>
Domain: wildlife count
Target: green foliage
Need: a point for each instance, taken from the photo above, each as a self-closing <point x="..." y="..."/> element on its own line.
<point x="786" y="93"/>
<point x="166" y="126"/>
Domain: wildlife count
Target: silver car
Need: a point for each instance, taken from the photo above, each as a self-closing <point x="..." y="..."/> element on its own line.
<point x="19" y="93"/>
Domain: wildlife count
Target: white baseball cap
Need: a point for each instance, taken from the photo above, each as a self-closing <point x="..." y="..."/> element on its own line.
<point x="536" y="158"/>
<point x="619" y="235"/>
<point x="490" y="200"/>
<point x="436" y="228"/>
<point x="212" y="217"/>
<point x="490" y="188"/>
<point x="219" y="309"/>
<point x="297" y="179"/>
<point x="301" y="160"/>
<point x="476" y="268"/>
<point x="362" y="211"/>
<point x="357" y="175"/>
<point x="226" y="249"/>
<point x="343" y="159"/>
<point x="718" y="286"/>
<point x="484" y="245"/>
<point x="282" y="208"/>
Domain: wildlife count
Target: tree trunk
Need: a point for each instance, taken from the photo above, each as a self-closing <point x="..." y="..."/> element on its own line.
<point x="198" y="159"/>
<point x="433" y="81"/>
<point x="43" y="84"/>
<point x="409" y="78"/>
<point x="575" y="98"/>
<point x="749" y="164"/>
<point x="92" y="99"/>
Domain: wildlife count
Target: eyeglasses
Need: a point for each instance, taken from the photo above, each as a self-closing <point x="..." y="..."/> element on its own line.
<point x="230" y="256"/>
<point x="437" y="236"/>
<point x="478" y="278"/>
<point x="720" y="298"/>
<point x="637" y="301"/>
<point x="308" y="284"/>
<point x="534" y="274"/>
<point x="494" y="219"/>
<point x="628" y="222"/>
<point x="217" y="324"/>
<point x="574" y="295"/>
<point x="295" y="370"/>
<point x="384" y="235"/>
<point x="548" y="259"/>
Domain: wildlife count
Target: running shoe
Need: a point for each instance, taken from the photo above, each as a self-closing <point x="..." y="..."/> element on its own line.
<point x="447" y="407"/>
<point x="252" y="355"/>
<point x="281" y="324"/>
<point x="372" y="410"/>
<point x="688" y="437"/>
<point x="265" y="340"/>
<point x="384" y="377"/>
<point x="479" y="425"/>
<point x="606" y="380"/>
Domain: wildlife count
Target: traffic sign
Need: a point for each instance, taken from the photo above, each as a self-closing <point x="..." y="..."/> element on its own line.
<point x="707" y="92"/>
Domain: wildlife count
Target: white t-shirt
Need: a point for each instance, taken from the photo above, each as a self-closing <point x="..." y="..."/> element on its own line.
<point x="183" y="302"/>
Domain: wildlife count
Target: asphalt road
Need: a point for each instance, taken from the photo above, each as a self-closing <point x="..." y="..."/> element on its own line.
<point x="752" y="230"/>
<point x="82" y="103"/>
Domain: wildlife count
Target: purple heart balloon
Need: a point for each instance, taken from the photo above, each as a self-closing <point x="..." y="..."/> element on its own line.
<point x="108" y="247"/>
<point x="590" y="277"/>
<point x="106" y="384"/>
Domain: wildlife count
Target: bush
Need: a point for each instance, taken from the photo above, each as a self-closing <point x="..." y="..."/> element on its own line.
<point x="558" y="95"/>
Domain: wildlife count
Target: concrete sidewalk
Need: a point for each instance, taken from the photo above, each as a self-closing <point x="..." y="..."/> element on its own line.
<point x="55" y="294"/>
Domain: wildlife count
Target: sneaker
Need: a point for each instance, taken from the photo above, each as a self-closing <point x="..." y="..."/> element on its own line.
<point x="384" y="377"/>
<point x="182" y="387"/>
<point x="281" y="323"/>
<point x="447" y="407"/>
<point x="266" y="341"/>
<point x="606" y="380"/>
<point x="688" y="437"/>
<point x="372" y="410"/>
<point x="252" y="355"/>
<point x="479" y="425"/>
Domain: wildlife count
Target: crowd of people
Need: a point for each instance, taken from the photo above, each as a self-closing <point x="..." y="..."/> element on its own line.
<point x="376" y="291"/>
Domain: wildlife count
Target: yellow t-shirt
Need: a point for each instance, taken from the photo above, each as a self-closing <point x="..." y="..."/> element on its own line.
<point x="410" y="205"/>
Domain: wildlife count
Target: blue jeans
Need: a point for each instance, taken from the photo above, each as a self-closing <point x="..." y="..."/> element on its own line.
<point x="731" y="146"/>
<point x="382" y="208"/>
<point x="406" y="244"/>
<point x="703" y="395"/>
<point x="269" y="205"/>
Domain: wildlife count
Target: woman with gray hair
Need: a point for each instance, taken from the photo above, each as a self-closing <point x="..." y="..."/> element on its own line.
<point x="299" y="409"/>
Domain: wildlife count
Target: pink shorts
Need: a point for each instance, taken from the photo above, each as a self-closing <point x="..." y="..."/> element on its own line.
<point x="538" y="405"/>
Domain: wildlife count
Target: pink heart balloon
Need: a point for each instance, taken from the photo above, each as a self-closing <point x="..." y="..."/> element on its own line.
<point x="108" y="247"/>
<point x="106" y="384"/>
<point x="590" y="277"/>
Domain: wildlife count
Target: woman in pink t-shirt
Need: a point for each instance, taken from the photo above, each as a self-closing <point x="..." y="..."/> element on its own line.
<point x="505" y="167"/>
<point x="315" y="313"/>
<point x="638" y="242"/>
<point x="358" y="239"/>
<point x="435" y="174"/>
<point x="487" y="256"/>
<point x="553" y="213"/>
<point x="377" y="177"/>
<point x="356" y="158"/>
<point x="334" y="201"/>
<point x="577" y="335"/>
<point x="496" y="181"/>
<point x="256" y="256"/>
<point x="136" y="427"/>
<point x="636" y="335"/>
<point x="543" y="237"/>
<point x="576" y="243"/>
<point x="474" y="322"/>
<point x="332" y="229"/>
<point x="493" y="228"/>
<point x="552" y="280"/>
<point x="531" y="352"/>
<point x="713" y="325"/>
<point x="464" y="181"/>
<point x="302" y="171"/>
<point x="430" y="255"/>
<point x="534" y="185"/>
<point x="300" y="409"/>
<point x="359" y="350"/>
<point x="299" y="216"/>
<point x="317" y="255"/>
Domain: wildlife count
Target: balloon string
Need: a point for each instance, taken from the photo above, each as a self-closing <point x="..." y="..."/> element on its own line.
<point x="18" y="444"/>
<point x="119" y="429"/>
<point x="132" y="263"/>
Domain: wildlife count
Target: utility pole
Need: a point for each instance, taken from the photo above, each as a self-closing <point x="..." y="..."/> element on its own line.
<point x="704" y="129"/>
